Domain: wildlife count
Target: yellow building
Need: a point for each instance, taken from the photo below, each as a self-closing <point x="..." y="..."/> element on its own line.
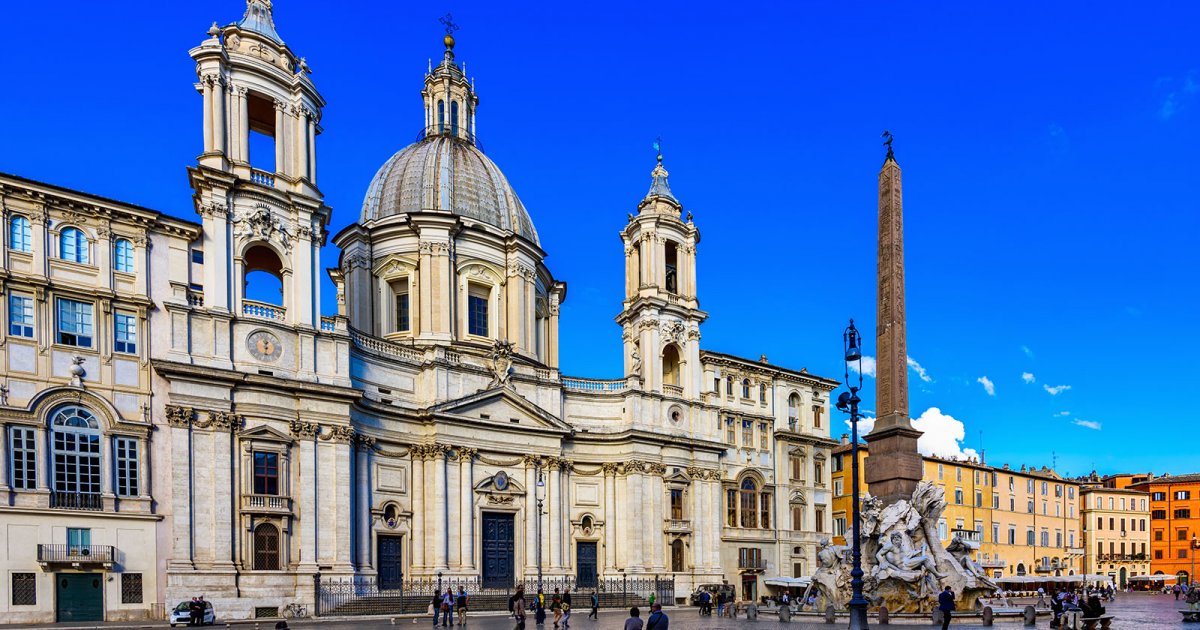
<point x="1116" y="533"/>
<point x="1035" y="523"/>
<point x="968" y="487"/>
<point x="840" y="477"/>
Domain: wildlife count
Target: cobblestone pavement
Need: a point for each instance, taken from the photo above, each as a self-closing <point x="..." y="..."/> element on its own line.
<point x="1133" y="612"/>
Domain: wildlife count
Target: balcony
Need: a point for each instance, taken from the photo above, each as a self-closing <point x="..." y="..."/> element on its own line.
<point x="994" y="563"/>
<point x="262" y="310"/>
<point x="266" y="504"/>
<point x="595" y="386"/>
<point x="1073" y="551"/>
<point x="751" y="564"/>
<point x="76" y="500"/>
<point x="75" y="555"/>
<point x="262" y="178"/>
<point x="674" y="390"/>
<point x="677" y="526"/>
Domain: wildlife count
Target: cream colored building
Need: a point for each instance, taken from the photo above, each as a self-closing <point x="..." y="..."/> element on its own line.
<point x="1116" y="533"/>
<point x="1035" y="523"/>
<point x="414" y="433"/>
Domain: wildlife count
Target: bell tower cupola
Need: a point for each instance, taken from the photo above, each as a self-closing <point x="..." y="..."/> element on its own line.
<point x="450" y="99"/>
<point x="661" y="316"/>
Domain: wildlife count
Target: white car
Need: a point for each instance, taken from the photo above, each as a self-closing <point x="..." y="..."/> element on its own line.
<point x="182" y="615"/>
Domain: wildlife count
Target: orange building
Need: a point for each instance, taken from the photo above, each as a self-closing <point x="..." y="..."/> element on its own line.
<point x="843" y="482"/>
<point x="1174" y="523"/>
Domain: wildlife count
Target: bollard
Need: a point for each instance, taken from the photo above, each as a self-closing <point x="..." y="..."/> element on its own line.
<point x="987" y="615"/>
<point x="830" y="615"/>
<point x="1030" y="616"/>
<point x="785" y="613"/>
<point x="751" y="611"/>
<point x="937" y="617"/>
<point x="883" y="615"/>
<point x="393" y="621"/>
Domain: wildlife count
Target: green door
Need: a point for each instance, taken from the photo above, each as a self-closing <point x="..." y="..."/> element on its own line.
<point x="80" y="597"/>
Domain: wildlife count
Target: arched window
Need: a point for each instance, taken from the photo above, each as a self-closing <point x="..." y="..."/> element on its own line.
<point x="671" y="264"/>
<point x="75" y="449"/>
<point x="749" y="503"/>
<point x="745" y="388"/>
<point x="266" y="548"/>
<point x="123" y="255"/>
<point x="670" y="365"/>
<point x="20" y="238"/>
<point x="762" y="392"/>
<point x="454" y="118"/>
<point x="262" y="278"/>
<point x="73" y="245"/>
<point x="793" y="411"/>
<point x="441" y="117"/>
<point x="677" y="555"/>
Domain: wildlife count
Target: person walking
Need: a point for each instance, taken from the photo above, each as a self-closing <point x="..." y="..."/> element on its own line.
<point x="460" y="603"/>
<point x="435" y="606"/>
<point x="634" y="622"/>
<point x="658" y="619"/>
<point x="721" y="603"/>
<point x="539" y="608"/>
<point x="448" y="608"/>
<point x="946" y="605"/>
<point x="556" y="606"/>
<point x="1193" y="599"/>
<point x="517" y="603"/>
<point x="566" y="609"/>
<point x="595" y="614"/>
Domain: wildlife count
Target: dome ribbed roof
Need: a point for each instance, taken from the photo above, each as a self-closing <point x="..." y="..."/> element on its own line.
<point x="446" y="174"/>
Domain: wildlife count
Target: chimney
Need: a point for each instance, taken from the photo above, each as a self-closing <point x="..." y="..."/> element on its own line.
<point x="762" y="358"/>
<point x="845" y="439"/>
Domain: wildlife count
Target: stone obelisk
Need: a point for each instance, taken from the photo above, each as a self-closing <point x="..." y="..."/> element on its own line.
<point x="894" y="466"/>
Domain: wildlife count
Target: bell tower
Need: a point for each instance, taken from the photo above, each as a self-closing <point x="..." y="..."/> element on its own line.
<point x="661" y="317"/>
<point x="255" y="183"/>
<point x="449" y="97"/>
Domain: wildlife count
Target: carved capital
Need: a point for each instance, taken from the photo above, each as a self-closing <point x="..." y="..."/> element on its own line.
<point x="304" y="430"/>
<point x="337" y="433"/>
<point x="180" y="417"/>
<point x="534" y="461"/>
<point x="364" y="442"/>
<point x="610" y="468"/>
<point x="656" y="468"/>
<point x="225" y="421"/>
<point x="465" y="454"/>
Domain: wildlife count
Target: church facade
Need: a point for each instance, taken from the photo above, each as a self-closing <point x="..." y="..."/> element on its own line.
<point x="169" y="433"/>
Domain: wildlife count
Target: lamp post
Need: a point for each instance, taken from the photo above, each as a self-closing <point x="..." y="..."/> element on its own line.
<point x="539" y="492"/>
<point x="848" y="403"/>
<point x="1195" y="546"/>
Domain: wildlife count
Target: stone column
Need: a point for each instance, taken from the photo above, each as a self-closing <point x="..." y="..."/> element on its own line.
<point x="223" y="484"/>
<point x="635" y="556"/>
<point x="312" y="149"/>
<point x="653" y="540"/>
<point x="554" y="507"/>
<point x="453" y="522"/>
<point x="439" y="514"/>
<point x="218" y="109"/>
<point x="699" y="514"/>
<point x="418" y="507"/>
<point x="280" y="126"/>
<point x="243" y="139"/>
<point x="141" y="256"/>
<point x="363" y="485"/>
<point x="466" y="509"/>
<point x="207" y="81"/>
<point x="531" y="514"/>
<point x="610" y="518"/>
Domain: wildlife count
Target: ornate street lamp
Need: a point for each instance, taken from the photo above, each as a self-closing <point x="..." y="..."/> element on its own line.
<point x="539" y="492"/>
<point x="848" y="403"/>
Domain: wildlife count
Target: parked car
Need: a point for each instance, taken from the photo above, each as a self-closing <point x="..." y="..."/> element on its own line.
<point x="713" y="589"/>
<point x="182" y="615"/>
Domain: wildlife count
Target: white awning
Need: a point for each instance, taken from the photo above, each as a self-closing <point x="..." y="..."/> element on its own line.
<point x="788" y="582"/>
<point x="1153" y="578"/>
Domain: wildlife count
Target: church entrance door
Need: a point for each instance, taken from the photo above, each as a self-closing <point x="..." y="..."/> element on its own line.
<point x="585" y="564"/>
<point x="497" y="550"/>
<point x="391" y="569"/>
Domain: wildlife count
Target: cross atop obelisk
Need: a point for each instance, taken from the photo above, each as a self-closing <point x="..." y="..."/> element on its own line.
<point x="894" y="465"/>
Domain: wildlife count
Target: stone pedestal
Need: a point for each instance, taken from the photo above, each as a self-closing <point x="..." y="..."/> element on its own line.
<point x="894" y="467"/>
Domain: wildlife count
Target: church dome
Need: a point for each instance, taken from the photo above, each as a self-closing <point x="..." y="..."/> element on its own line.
<point x="446" y="173"/>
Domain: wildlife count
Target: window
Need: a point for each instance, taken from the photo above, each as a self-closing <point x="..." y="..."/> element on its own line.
<point x="73" y="245"/>
<point x="764" y="518"/>
<point x="838" y="488"/>
<point x="125" y="333"/>
<point x="995" y="502"/>
<point x="1030" y="537"/>
<point x="1058" y="539"/>
<point x="819" y="523"/>
<point x="198" y="256"/>
<point x="763" y="436"/>
<point x="131" y="588"/>
<point x="730" y="432"/>
<point x="401" y="314"/>
<point x="1045" y="488"/>
<point x="996" y="532"/>
<point x="837" y="463"/>
<point x="1181" y="534"/>
<point x="1029" y="486"/>
<point x="1158" y="496"/>
<point x="1158" y="535"/>
<point x="958" y="496"/>
<point x="762" y="392"/>
<point x="818" y="473"/>
<point x="729" y="386"/>
<point x="1100" y="523"/>
<point x="123" y="255"/>
<point x="793" y="411"/>
<point x="676" y="503"/>
<point x="957" y="473"/>
<point x="20" y="315"/>
<point x="78" y="538"/>
<point x="1182" y="495"/>
<point x="676" y="556"/>
<point x="24" y="589"/>
<point x="454" y="117"/>
<point x="749" y="505"/>
<point x="731" y="499"/>
<point x="670" y="365"/>
<point x="1012" y="535"/>
<point x="749" y="558"/>
<point x="817" y="416"/>
<point x="1158" y="514"/>
<point x="748" y="433"/>
<point x="266" y="473"/>
<point x="20" y="238"/>
<point x="839" y="526"/>
<point x="941" y="472"/>
<point x="797" y="466"/>
<point x="978" y="498"/>
<point x="1182" y="554"/>
<point x="1045" y="538"/>
<point x="477" y="312"/>
<point x="1071" y="493"/>
<point x="1158" y="554"/>
<point x="75" y="440"/>
<point x="441" y="117"/>
<point x="22" y="445"/>
<point x="941" y="530"/>
<point x="74" y="323"/>
<point x="266" y="548"/>
<point x="127" y="466"/>
<point x="745" y="388"/>
<point x="671" y="265"/>
<point x="1029" y="506"/>
<point x="1058" y="490"/>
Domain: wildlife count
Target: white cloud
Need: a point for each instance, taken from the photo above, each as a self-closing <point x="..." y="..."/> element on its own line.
<point x="921" y="372"/>
<point x="1063" y="414"/>
<point x="1088" y="424"/>
<point x="868" y="366"/>
<point x="1027" y="351"/>
<point x="1027" y="377"/>
<point x="1056" y="390"/>
<point x="864" y="425"/>
<point x="942" y="435"/>
<point x="988" y="385"/>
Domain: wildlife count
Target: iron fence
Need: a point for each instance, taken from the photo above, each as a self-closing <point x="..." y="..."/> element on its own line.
<point x="366" y="595"/>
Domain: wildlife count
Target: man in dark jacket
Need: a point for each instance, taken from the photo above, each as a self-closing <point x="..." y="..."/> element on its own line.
<point x="658" y="619"/>
<point x="946" y="605"/>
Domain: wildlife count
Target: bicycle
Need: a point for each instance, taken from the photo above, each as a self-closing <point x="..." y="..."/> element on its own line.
<point x="295" y="610"/>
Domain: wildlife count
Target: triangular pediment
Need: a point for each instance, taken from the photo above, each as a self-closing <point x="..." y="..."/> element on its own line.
<point x="264" y="432"/>
<point x="502" y="406"/>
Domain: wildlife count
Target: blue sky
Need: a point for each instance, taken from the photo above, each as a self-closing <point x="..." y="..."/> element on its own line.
<point x="1049" y="150"/>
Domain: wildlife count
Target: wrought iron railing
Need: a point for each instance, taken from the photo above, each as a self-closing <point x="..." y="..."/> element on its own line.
<point x="76" y="500"/>
<point x="75" y="554"/>
<point x="370" y="596"/>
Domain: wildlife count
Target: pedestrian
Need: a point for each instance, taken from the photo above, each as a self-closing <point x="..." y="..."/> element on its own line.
<point x="1193" y="599"/>
<point x="435" y="607"/>
<point x="658" y="619"/>
<point x="595" y="614"/>
<point x="634" y="622"/>
<point x="517" y="604"/>
<point x="651" y="599"/>
<point x="461" y="604"/>
<point x="194" y="612"/>
<point x="566" y="609"/>
<point x="721" y="603"/>
<point x="556" y="606"/>
<point x="448" y="608"/>
<point x="704" y="603"/>
<point x="1176" y="590"/>
<point x="539" y="608"/>
<point x="786" y="600"/>
<point x="946" y="605"/>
